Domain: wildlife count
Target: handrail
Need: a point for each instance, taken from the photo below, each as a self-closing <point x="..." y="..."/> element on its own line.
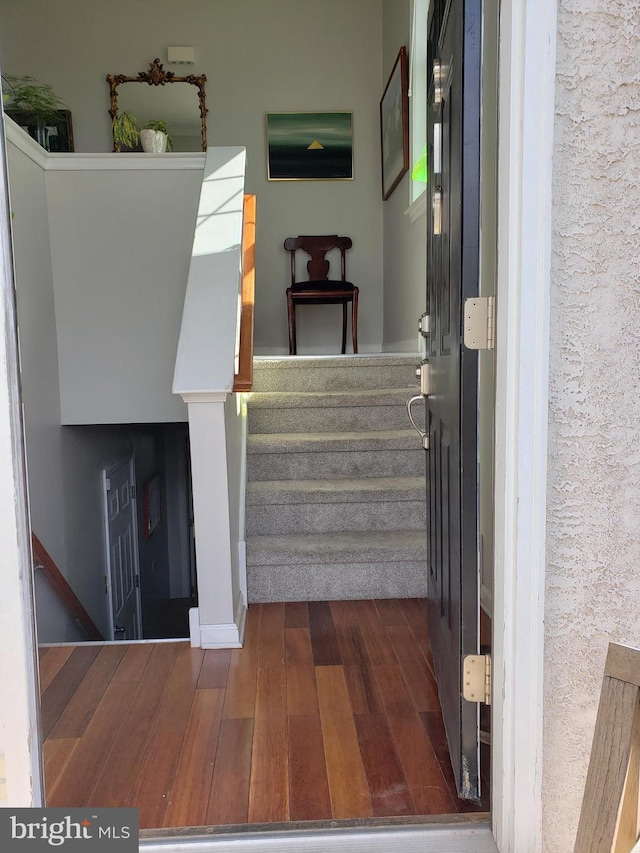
<point x="44" y="561"/>
<point x="243" y="379"/>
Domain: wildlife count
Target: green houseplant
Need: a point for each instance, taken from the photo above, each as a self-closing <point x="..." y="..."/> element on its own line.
<point x="32" y="104"/>
<point x="127" y="133"/>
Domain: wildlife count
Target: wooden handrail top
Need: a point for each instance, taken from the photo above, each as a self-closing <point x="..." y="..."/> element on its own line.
<point x="243" y="380"/>
<point x="43" y="560"/>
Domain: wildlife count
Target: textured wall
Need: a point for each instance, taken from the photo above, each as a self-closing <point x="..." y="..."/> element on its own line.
<point x="593" y="573"/>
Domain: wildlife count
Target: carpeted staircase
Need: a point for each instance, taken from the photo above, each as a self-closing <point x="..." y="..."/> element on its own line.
<point x="336" y="491"/>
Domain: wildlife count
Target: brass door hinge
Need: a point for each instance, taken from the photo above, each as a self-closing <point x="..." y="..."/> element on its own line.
<point x="476" y="678"/>
<point x="480" y="322"/>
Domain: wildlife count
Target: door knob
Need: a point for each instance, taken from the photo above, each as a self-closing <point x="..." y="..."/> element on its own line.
<point x="423" y="435"/>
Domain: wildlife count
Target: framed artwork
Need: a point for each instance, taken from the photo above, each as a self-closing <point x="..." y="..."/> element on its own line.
<point x="394" y="126"/>
<point x="151" y="505"/>
<point x="54" y="137"/>
<point x="310" y="146"/>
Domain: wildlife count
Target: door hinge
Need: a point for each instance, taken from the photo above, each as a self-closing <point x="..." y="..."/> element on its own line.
<point x="480" y="322"/>
<point x="138" y="581"/>
<point x="106" y="584"/>
<point x="133" y="493"/>
<point x="476" y="678"/>
<point x="423" y="325"/>
<point x="107" y="484"/>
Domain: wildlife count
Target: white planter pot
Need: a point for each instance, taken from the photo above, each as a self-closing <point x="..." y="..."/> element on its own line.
<point x="153" y="141"/>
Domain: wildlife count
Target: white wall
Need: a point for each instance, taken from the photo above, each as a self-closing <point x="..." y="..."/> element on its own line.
<point x="593" y="523"/>
<point x="40" y="387"/>
<point x="120" y="245"/>
<point x="405" y="242"/>
<point x="258" y="56"/>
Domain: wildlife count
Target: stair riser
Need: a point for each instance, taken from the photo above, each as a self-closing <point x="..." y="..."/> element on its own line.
<point x="338" y="465"/>
<point x="339" y="581"/>
<point x="356" y="378"/>
<point x="346" y="419"/>
<point x="326" y="518"/>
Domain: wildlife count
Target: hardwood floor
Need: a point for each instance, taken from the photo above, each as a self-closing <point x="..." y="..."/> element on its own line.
<point x="329" y="711"/>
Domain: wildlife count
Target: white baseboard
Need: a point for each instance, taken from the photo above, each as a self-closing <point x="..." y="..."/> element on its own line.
<point x="225" y="635"/>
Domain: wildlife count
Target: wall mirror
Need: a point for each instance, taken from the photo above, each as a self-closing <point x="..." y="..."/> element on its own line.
<point x="181" y="106"/>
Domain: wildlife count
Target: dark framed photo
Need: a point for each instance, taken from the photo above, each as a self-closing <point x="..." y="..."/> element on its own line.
<point x="394" y="126"/>
<point x="310" y="146"/>
<point x="57" y="136"/>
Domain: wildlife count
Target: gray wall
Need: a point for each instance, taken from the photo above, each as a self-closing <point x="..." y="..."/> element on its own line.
<point x="593" y="521"/>
<point x="405" y="244"/>
<point x="119" y="284"/>
<point x="258" y="56"/>
<point x="40" y="387"/>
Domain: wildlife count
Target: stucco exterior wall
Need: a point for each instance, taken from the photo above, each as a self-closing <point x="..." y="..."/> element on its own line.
<point x="593" y="534"/>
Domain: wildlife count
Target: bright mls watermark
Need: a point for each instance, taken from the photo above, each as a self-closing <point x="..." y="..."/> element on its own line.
<point x="82" y="830"/>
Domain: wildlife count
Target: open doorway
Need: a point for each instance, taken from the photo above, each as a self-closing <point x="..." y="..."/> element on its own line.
<point x="216" y="668"/>
<point x="154" y="546"/>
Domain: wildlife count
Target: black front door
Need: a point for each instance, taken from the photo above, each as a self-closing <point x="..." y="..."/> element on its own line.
<point x="452" y="422"/>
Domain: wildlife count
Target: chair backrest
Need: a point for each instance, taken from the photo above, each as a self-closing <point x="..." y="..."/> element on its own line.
<point x="317" y="247"/>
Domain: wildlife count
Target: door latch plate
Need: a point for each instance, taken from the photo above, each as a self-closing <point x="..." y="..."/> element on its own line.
<point x="424" y="376"/>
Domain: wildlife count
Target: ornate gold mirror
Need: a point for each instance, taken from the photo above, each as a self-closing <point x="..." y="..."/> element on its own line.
<point x="181" y="107"/>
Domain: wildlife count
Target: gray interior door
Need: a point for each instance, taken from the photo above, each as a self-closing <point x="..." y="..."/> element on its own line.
<point x="452" y="419"/>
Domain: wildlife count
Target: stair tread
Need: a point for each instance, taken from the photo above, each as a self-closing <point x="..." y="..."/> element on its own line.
<point x="377" y="489"/>
<point x="330" y="399"/>
<point x="369" y="545"/>
<point x="295" y="442"/>
<point x="287" y="362"/>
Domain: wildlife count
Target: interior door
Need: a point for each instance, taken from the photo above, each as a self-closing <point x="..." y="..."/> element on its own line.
<point x="121" y="528"/>
<point x="453" y="127"/>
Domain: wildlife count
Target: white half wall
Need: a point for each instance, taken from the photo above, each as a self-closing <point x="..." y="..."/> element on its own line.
<point x="120" y="246"/>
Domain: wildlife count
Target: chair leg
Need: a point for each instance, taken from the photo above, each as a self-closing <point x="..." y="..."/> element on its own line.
<point x="344" y="327"/>
<point x="354" y="319"/>
<point x="291" y="313"/>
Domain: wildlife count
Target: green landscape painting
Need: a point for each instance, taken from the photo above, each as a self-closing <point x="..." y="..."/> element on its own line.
<point x="309" y="146"/>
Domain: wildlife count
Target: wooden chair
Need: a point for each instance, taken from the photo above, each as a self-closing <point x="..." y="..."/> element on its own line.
<point x="320" y="289"/>
<point x="609" y="818"/>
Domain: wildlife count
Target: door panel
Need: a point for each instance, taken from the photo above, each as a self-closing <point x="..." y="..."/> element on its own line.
<point x="452" y="276"/>
<point x="122" y="551"/>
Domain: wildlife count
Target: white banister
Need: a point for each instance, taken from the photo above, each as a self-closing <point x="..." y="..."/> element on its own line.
<point x="206" y="362"/>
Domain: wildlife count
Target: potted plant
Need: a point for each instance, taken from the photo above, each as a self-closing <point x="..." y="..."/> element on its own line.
<point x="153" y="136"/>
<point x="32" y="104"/>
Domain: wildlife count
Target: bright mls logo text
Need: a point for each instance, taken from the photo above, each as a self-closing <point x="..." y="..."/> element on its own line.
<point x="41" y="829"/>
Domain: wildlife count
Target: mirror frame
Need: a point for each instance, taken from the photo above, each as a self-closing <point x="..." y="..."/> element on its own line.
<point x="157" y="76"/>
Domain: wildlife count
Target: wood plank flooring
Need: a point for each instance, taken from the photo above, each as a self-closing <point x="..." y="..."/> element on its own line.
<point x="329" y="711"/>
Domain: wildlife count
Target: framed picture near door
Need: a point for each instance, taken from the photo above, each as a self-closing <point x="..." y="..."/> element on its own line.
<point x="394" y="126"/>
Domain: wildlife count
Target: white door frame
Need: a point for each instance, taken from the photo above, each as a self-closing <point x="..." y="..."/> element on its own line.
<point x="21" y="773"/>
<point x="526" y="104"/>
<point x="525" y="145"/>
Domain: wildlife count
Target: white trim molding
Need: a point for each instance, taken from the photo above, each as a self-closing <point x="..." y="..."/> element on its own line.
<point x="224" y="636"/>
<point x="85" y="162"/>
<point x="526" y="123"/>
